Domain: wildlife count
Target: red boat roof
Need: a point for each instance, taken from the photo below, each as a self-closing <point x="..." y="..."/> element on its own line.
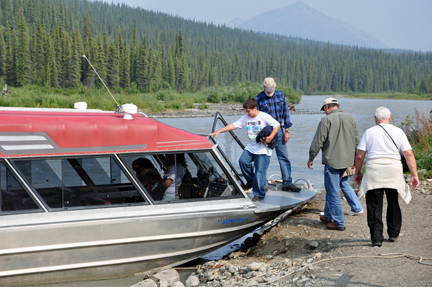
<point x="47" y="132"/>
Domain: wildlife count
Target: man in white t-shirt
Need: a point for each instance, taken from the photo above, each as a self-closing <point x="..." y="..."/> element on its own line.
<point x="253" y="122"/>
<point x="173" y="176"/>
<point x="380" y="147"/>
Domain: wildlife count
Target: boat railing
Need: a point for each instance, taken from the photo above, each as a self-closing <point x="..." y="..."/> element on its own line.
<point x="219" y="117"/>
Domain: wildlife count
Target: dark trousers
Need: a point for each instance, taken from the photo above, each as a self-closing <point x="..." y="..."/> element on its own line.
<point x="374" y="203"/>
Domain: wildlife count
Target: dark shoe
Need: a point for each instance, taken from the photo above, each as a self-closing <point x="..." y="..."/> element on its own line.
<point x="246" y="186"/>
<point x="393" y="239"/>
<point x="291" y="187"/>
<point x="257" y="198"/>
<point x="331" y="226"/>
<point x="325" y="220"/>
<point x="378" y="243"/>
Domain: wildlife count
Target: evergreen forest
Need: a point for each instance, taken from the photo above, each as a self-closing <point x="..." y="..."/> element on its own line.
<point x="133" y="49"/>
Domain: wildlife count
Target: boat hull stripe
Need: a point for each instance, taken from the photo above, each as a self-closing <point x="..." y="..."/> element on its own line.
<point x="107" y="262"/>
<point x="126" y="240"/>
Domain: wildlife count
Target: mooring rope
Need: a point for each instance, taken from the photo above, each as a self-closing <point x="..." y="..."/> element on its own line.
<point x="380" y="256"/>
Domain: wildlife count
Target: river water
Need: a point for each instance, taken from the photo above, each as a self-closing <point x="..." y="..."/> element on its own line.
<point x="302" y="132"/>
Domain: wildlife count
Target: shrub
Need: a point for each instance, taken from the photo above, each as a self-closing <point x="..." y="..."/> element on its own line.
<point x="290" y="95"/>
<point x="214" y="98"/>
<point x="419" y="132"/>
<point x="203" y="107"/>
<point x="425" y="163"/>
<point x="175" y="105"/>
<point x="189" y="104"/>
<point x="154" y="106"/>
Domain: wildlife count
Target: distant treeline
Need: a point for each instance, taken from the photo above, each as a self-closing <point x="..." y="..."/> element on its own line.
<point x="42" y="43"/>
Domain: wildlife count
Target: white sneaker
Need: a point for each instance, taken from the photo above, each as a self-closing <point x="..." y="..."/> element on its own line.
<point x="352" y="213"/>
<point x="322" y="213"/>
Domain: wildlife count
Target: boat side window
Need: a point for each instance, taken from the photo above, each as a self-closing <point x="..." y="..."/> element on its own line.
<point x="181" y="176"/>
<point x="13" y="197"/>
<point x="79" y="182"/>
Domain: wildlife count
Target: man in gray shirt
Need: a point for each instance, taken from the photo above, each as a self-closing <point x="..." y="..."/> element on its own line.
<point x="337" y="136"/>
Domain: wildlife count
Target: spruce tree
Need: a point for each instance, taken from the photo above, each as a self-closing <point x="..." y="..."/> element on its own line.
<point x="142" y="66"/>
<point x="9" y="69"/>
<point x="88" y="74"/>
<point x="2" y="54"/>
<point x="180" y="64"/>
<point x="124" y="66"/>
<point x="62" y="51"/>
<point x="158" y="67"/>
<point x="75" y="63"/>
<point x="31" y="11"/>
<point x="38" y="55"/>
<point x="113" y="67"/>
<point x="23" y="74"/>
<point x="202" y="72"/>
<point x="151" y="67"/>
<point x="100" y="61"/>
<point x="51" y="71"/>
<point x="170" y="69"/>
<point x="133" y="55"/>
<point x="8" y="13"/>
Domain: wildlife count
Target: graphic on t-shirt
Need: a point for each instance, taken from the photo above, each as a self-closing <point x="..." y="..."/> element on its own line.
<point x="253" y="129"/>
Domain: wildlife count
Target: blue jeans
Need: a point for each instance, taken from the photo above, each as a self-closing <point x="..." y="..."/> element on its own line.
<point x="282" y="155"/>
<point x="350" y="195"/>
<point x="259" y="177"/>
<point x="333" y="206"/>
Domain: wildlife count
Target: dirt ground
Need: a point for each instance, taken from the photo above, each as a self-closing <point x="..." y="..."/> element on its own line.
<point x="347" y="258"/>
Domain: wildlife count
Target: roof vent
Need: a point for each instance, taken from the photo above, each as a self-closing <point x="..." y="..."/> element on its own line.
<point x="80" y="105"/>
<point x="129" y="110"/>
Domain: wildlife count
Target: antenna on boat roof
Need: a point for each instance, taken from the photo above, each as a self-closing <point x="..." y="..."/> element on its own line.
<point x="118" y="106"/>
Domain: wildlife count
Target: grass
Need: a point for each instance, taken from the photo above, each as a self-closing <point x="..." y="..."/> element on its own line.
<point x="99" y="98"/>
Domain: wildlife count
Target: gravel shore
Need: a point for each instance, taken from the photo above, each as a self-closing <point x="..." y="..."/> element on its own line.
<point x="223" y="109"/>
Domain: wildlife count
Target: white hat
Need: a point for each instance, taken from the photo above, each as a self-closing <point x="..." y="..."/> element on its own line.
<point x="269" y="83"/>
<point x="329" y="101"/>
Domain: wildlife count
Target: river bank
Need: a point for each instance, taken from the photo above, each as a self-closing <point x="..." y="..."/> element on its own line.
<point x="223" y="109"/>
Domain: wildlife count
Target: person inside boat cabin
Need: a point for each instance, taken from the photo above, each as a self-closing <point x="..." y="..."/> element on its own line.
<point x="173" y="176"/>
<point x="253" y="122"/>
<point x="146" y="173"/>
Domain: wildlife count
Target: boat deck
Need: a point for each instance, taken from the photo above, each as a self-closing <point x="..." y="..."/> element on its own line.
<point x="276" y="199"/>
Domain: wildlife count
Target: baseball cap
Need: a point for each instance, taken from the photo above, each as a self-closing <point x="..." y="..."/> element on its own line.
<point x="329" y="101"/>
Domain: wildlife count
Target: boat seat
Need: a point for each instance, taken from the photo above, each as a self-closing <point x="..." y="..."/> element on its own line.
<point x="185" y="189"/>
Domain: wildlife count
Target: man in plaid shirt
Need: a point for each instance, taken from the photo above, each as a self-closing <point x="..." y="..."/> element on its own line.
<point x="272" y="102"/>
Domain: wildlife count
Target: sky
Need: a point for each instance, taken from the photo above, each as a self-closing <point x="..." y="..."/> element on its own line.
<point x="402" y="24"/>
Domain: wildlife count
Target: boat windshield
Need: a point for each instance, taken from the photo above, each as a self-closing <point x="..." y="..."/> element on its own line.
<point x="175" y="177"/>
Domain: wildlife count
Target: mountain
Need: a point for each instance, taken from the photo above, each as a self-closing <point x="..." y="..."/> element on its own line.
<point x="301" y="20"/>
